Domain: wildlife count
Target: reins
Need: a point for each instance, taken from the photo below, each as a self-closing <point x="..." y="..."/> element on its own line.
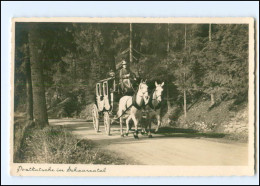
<point x="133" y="103"/>
<point x="125" y="111"/>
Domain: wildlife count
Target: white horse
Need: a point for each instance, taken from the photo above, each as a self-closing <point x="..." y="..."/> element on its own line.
<point x="155" y="105"/>
<point x="130" y="107"/>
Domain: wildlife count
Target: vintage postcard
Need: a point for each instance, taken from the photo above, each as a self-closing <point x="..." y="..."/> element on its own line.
<point x="133" y="97"/>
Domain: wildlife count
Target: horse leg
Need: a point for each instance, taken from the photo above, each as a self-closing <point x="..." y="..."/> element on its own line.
<point x="136" y="127"/>
<point x="149" y="133"/>
<point x="121" y="127"/>
<point x="149" y="128"/>
<point x="158" y="123"/>
<point x="127" y="125"/>
<point x="143" y="131"/>
<point x="144" y="127"/>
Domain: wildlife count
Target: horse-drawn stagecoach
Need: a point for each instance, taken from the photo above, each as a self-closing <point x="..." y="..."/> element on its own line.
<point x="111" y="104"/>
<point x="104" y="103"/>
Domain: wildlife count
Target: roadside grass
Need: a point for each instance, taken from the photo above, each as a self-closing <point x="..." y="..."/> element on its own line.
<point x="237" y="137"/>
<point x="56" y="145"/>
<point x="191" y="133"/>
<point x="20" y="126"/>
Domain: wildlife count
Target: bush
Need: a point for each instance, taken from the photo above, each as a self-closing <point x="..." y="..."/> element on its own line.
<point x="86" y="113"/>
<point x="20" y="126"/>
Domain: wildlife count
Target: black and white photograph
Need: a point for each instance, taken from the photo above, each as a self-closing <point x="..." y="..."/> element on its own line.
<point x="132" y="93"/>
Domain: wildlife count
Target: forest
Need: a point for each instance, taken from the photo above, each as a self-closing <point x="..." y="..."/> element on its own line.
<point x="58" y="64"/>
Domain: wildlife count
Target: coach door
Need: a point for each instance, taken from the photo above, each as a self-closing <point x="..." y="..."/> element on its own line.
<point x="99" y="97"/>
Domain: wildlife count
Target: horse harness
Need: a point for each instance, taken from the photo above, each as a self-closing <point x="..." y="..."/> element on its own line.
<point x="151" y="102"/>
<point x="133" y="104"/>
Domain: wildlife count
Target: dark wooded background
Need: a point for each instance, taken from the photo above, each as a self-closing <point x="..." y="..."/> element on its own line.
<point x="58" y="64"/>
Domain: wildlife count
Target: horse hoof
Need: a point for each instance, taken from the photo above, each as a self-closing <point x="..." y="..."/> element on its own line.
<point x="136" y="137"/>
<point x="122" y="135"/>
<point x="150" y="136"/>
<point x="126" y="134"/>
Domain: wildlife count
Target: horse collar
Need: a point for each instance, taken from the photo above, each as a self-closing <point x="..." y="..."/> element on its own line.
<point x="135" y="104"/>
<point x="151" y="102"/>
<point x="154" y="107"/>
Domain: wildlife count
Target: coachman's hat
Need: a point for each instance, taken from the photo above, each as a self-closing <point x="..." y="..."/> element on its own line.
<point x="124" y="62"/>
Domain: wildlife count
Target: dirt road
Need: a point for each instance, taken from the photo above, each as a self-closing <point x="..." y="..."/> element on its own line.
<point x="160" y="150"/>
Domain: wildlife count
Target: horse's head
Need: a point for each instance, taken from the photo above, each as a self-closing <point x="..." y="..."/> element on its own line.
<point x="143" y="91"/>
<point x="158" y="91"/>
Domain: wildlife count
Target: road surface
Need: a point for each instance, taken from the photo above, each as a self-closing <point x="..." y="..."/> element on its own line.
<point x="160" y="150"/>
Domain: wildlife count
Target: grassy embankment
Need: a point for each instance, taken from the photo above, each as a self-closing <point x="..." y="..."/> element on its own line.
<point x="224" y="120"/>
<point x="54" y="144"/>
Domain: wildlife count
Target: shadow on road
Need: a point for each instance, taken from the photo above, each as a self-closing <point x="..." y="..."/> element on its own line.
<point x="80" y="125"/>
<point x="188" y="133"/>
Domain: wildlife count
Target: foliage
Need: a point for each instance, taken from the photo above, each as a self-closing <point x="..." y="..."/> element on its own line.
<point x="77" y="55"/>
<point x="226" y="61"/>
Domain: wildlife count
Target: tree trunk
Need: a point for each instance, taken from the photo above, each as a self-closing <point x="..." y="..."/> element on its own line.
<point x="184" y="104"/>
<point x="29" y="96"/>
<point x="212" y="94"/>
<point x="168" y="51"/>
<point x="184" y="92"/>
<point x="75" y="70"/>
<point x="39" y="100"/>
<point x="209" y="32"/>
<point x="212" y="97"/>
<point x="185" y="37"/>
<point x="130" y="46"/>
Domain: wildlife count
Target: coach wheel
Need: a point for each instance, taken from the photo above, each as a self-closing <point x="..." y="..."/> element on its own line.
<point x="95" y="116"/>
